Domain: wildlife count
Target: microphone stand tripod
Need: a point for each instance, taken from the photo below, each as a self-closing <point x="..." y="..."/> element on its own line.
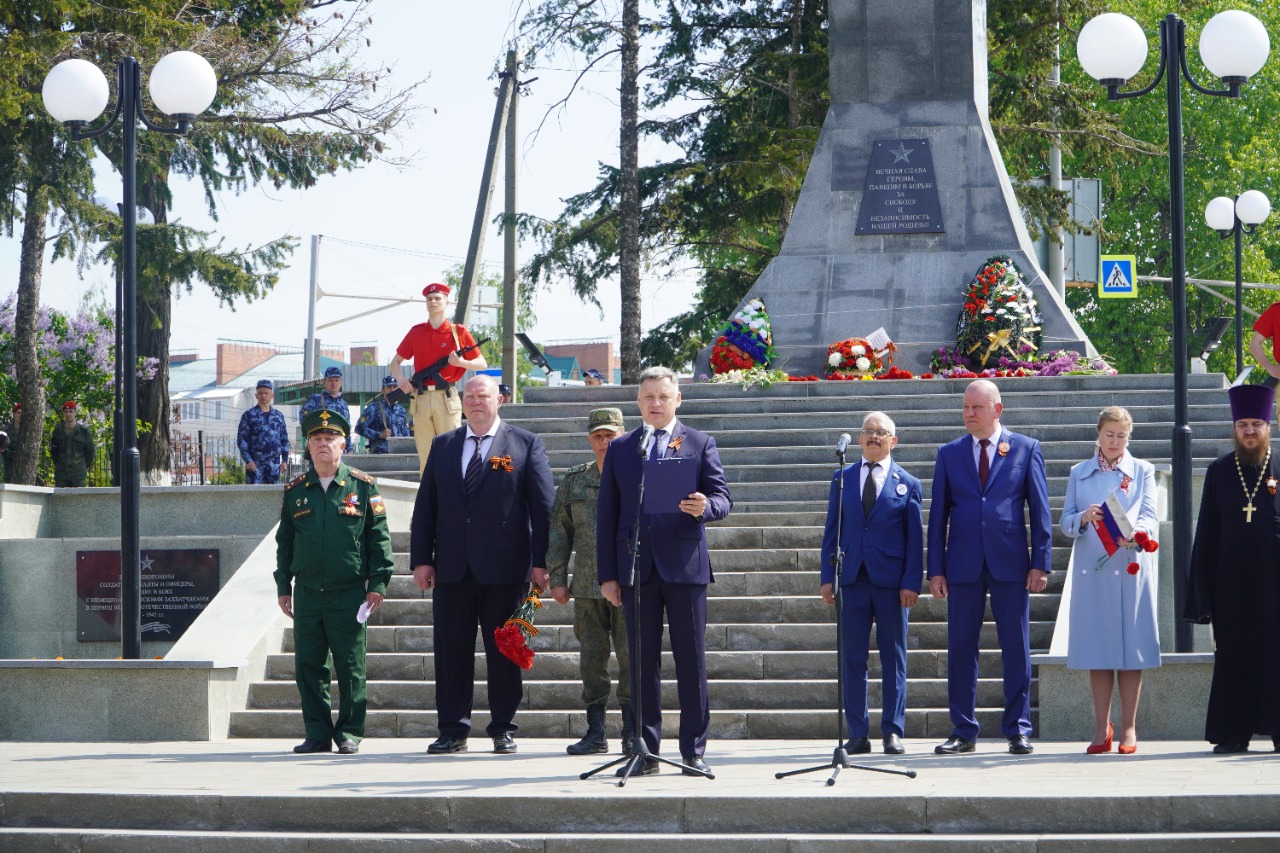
<point x="840" y="757"/>
<point x="640" y="754"/>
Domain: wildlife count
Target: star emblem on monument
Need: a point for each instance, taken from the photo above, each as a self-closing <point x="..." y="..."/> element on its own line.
<point x="902" y="153"/>
<point x="146" y="564"/>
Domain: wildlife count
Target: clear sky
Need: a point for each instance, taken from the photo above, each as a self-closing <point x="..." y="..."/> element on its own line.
<point x="422" y="213"/>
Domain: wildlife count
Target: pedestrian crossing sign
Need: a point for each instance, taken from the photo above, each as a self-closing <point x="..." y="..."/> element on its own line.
<point x="1119" y="277"/>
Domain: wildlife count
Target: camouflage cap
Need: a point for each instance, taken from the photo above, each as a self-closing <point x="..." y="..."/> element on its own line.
<point x="605" y="419"/>
<point x="325" y="421"/>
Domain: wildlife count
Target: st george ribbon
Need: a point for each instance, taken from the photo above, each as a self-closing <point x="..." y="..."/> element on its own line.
<point x="901" y="192"/>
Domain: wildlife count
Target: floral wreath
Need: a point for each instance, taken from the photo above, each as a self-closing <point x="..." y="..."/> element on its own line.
<point x="1000" y="316"/>
<point x="746" y="342"/>
<point x="852" y="357"/>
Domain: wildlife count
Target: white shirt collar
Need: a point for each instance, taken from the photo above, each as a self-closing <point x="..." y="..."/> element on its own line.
<point x="493" y="430"/>
<point x="885" y="463"/>
<point x="670" y="427"/>
<point x="993" y="438"/>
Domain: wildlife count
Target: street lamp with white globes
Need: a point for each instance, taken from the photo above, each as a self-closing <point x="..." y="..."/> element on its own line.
<point x="1112" y="48"/>
<point x="1235" y="217"/>
<point x="75" y="93"/>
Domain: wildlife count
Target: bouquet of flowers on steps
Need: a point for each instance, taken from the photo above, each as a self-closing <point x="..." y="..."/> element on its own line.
<point x="746" y="342"/>
<point x="514" y="635"/>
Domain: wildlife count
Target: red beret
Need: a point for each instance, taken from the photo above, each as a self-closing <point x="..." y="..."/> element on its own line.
<point x="70" y="404"/>
<point x="437" y="287"/>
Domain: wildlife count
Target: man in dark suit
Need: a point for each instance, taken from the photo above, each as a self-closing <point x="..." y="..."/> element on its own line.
<point x="882" y="538"/>
<point x="673" y="567"/>
<point x="480" y="523"/>
<point x="978" y="544"/>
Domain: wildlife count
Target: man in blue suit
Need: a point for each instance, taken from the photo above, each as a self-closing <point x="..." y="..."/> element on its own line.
<point x="480" y="524"/>
<point x="978" y="544"/>
<point x="673" y="567"/>
<point x="882" y="539"/>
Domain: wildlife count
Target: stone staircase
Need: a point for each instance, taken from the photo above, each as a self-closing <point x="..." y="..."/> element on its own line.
<point x="770" y="638"/>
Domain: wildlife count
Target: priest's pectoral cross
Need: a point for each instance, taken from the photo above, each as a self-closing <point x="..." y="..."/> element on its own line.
<point x="1248" y="512"/>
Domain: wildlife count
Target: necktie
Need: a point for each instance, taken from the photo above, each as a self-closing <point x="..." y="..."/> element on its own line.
<point x="655" y="452"/>
<point x="869" y="490"/>
<point x="984" y="463"/>
<point x="472" y="477"/>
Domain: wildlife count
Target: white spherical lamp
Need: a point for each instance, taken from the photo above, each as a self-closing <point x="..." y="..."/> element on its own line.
<point x="1234" y="45"/>
<point x="183" y="84"/>
<point x="1220" y="214"/>
<point x="1112" y="47"/>
<point x="1253" y="207"/>
<point x="75" y="91"/>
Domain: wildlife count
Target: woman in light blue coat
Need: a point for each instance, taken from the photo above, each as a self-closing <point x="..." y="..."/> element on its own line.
<point x="1113" y="631"/>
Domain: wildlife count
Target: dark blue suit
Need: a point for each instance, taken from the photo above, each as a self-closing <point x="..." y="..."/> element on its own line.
<point x="482" y="546"/>
<point x="883" y="553"/>
<point x="673" y="570"/>
<point x="978" y="541"/>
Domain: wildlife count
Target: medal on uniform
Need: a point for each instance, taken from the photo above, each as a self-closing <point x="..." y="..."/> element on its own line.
<point x="350" y="505"/>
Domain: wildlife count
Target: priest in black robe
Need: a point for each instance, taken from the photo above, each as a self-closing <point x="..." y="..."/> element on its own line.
<point x="1235" y="579"/>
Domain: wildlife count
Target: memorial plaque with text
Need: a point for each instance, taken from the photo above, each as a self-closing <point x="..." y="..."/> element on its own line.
<point x="901" y="193"/>
<point x="177" y="584"/>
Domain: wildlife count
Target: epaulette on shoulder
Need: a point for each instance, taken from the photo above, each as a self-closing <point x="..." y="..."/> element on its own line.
<point x="578" y="469"/>
<point x="360" y="475"/>
<point x="295" y="481"/>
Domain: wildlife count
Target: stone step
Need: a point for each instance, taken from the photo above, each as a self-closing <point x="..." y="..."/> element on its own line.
<point x="748" y="695"/>
<point x="767" y="609"/>
<point x="798" y="636"/>
<point x="775" y="665"/>
<point x="728" y="724"/>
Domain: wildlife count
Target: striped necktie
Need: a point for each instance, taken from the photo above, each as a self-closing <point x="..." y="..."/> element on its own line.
<point x="655" y="452"/>
<point x="472" y="478"/>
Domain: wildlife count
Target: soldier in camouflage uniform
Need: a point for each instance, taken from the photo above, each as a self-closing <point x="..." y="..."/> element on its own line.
<point x="596" y="622"/>
<point x="333" y="555"/>
<point x="71" y="448"/>
<point x="330" y="399"/>
<point x="263" y="438"/>
<point x="383" y="419"/>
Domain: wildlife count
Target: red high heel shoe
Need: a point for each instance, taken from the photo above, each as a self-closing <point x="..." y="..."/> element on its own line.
<point x="1124" y="749"/>
<point x="1105" y="746"/>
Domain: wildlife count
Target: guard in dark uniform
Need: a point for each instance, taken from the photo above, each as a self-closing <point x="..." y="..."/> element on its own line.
<point x="330" y="398"/>
<point x="383" y="419"/>
<point x="71" y="448"/>
<point x="263" y="438"/>
<point x="333" y="555"/>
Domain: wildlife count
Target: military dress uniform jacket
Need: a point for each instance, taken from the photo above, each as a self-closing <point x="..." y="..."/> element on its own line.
<point x="573" y="528"/>
<point x="333" y="540"/>
<point x="72" y="454"/>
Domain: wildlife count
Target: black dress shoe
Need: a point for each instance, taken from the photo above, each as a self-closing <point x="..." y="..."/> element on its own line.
<point x="446" y="744"/>
<point x="648" y="767"/>
<point x="1020" y="745"/>
<point x="954" y="745"/>
<point x="893" y="745"/>
<point x="313" y="745"/>
<point x="1231" y="746"/>
<point x="347" y="746"/>
<point x="504" y="744"/>
<point x="695" y="762"/>
<point x="857" y="746"/>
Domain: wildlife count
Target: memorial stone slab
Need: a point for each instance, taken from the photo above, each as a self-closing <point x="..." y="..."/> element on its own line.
<point x="909" y="72"/>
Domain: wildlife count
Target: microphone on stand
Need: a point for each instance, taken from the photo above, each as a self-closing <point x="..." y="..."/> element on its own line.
<point x="843" y="444"/>
<point x="646" y="441"/>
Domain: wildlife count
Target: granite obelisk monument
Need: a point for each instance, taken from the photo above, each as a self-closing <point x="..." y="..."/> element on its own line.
<point x="906" y="195"/>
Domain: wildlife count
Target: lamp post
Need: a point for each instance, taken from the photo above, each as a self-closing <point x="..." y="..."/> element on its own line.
<point x="1112" y="48"/>
<point x="75" y="93"/>
<point x="1233" y="217"/>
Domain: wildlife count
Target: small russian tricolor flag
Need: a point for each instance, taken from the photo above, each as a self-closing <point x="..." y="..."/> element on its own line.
<point x="1112" y="527"/>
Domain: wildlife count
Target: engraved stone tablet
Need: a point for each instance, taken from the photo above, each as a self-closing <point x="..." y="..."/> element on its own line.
<point x="901" y="193"/>
<point x="177" y="584"/>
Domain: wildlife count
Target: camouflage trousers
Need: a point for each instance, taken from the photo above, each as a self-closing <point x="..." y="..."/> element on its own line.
<point x="597" y="624"/>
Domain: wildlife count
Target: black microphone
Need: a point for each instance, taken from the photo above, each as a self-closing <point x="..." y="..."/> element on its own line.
<point x="843" y="444"/>
<point x="646" y="441"/>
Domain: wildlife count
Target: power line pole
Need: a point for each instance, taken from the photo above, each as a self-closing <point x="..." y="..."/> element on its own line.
<point x="488" y="180"/>
<point x="509" y="233"/>
<point x="309" y="349"/>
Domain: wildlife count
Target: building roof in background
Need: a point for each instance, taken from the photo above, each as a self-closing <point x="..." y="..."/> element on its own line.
<point x="192" y="375"/>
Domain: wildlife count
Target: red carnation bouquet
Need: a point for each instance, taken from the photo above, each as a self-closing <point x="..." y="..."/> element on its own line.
<point x="1144" y="542"/>
<point x="514" y="635"/>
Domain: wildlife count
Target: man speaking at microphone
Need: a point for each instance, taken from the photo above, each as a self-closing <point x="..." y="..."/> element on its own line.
<point x="673" y="567"/>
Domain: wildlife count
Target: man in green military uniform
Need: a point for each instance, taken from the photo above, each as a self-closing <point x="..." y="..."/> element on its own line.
<point x="333" y="562"/>
<point x="71" y="449"/>
<point x="596" y="622"/>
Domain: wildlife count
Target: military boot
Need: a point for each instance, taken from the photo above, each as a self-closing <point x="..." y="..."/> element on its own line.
<point x="628" y="728"/>
<point x="593" y="741"/>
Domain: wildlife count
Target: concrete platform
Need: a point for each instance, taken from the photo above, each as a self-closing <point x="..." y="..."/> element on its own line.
<point x="256" y="795"/>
